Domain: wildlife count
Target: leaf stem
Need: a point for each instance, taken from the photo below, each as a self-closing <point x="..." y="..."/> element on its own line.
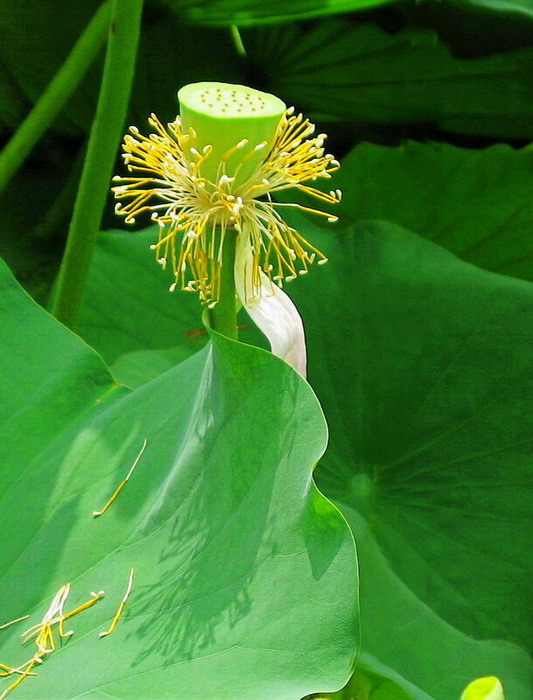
<point x="55" y="95"/>
<point x="101" y="152"/>
<point x="223" y="316"/>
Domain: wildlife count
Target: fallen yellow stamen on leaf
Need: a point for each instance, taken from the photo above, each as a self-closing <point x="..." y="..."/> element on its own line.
<point x="10" y="670"/>
<point x="121" y="607"/>
<point x="123" y="483"/>
<point x="12" y="622"/>
<point x="44" y="634"/>
<point x="27" y="672"/>
<point x="44" y="638"/>
<point x="88" y="603"/>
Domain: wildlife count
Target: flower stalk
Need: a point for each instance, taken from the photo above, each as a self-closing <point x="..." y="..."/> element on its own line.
<point x="101" y="151"/>
<point x="223" y="316"/>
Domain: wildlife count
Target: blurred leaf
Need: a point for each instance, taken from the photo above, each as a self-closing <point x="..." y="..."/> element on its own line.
<point x="249" y="12"/>
<point x="34" y="42"/>
<point x="212" y="613"/>
<point x="33" y="45"/>
<point x="169" y="57"/>
<point x="476" y="203"/>
<point x="522" y="7"/>
<point x="24" y="204"/>
<point x="365" y="685"/>
<point x="13" y="104"/>
<point x="363" y="75"/>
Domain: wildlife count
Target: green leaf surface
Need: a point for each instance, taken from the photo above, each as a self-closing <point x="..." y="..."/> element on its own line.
<point x="128" y="309"/>
<point x="125" y="285"/>
<point x="362" y="75"/>
<point x="421" y="362"/>
<point x="244" y="573"/>
<point x="430" y="456"/>
<point x="476" y="203"/>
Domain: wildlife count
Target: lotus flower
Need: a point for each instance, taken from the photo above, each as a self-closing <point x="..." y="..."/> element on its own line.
<point x="208" y="179"/>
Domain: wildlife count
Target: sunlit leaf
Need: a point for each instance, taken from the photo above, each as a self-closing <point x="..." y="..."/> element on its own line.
<point x="244" y="574"/>
<point x="421" y="367"/>
<point x="519" y="7"/>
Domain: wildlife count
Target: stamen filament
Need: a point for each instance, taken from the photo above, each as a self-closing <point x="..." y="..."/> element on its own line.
<point x="97" y="513"/>
<point x="12" y="622"/>
<point x="197" y="214"/>
<point x="24" y="674"/>
<point x="120" y="608"/>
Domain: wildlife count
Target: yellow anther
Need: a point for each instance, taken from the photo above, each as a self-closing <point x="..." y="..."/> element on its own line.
<point x="120" y="608"/>
<point x="27" y="672"/>
<point x="44" y="635"/>
<point x="95" y="597"/>
<point x="188" y="201"/>
<point x="123" y="483"/>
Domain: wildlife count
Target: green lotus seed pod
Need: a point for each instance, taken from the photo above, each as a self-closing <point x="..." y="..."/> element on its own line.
<point x="238" y="122"/>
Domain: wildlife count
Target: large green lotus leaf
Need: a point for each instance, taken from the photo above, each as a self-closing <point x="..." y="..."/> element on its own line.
<point x="420" y="360"/>
<point x="476" y="203"/>
<point x="423" y="365"/>
<point x="359" y="74"/>
<point x="245" y="579"/>
<point x="406" y="641"/>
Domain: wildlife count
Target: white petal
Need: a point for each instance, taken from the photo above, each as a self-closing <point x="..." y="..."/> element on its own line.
<point x="272" y="311"/>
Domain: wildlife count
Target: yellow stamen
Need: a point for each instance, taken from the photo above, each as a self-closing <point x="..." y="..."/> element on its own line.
<point x="43" y="631"/>
<point x="123" y="483"/>
<point x="120" y="608"/>
<point x="88" y="604"/>
<point x="195" y="213"/>
<point x="11" y="670"/>
<point x="12" y="622"/>
<point x="44" y="634"/>
<point x="25" y="674"/>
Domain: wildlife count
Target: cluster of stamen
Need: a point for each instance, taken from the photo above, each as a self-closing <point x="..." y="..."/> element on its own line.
<point x="194" y="214"/>
<point x="43" y="633"/>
